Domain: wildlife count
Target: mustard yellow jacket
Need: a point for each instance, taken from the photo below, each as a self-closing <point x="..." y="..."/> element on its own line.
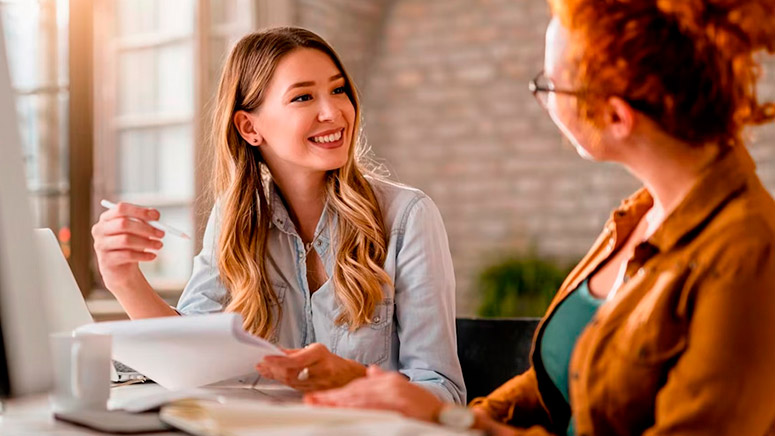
<point x="687" y="344"/>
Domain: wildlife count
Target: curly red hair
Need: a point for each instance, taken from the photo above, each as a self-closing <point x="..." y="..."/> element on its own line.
<point x="687" y="64"/>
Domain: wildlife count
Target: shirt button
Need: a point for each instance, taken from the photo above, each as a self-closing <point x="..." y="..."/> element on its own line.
<point x="641" y="271"/>
<point x="375" y="320"/>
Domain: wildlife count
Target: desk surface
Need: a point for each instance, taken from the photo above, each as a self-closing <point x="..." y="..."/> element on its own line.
<point x="31" y="416"/>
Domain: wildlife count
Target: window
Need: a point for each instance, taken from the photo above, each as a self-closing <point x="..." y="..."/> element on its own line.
<point x="36" y="35"/>
<point x="155" y="69"/>
<point x="128" y="124"/>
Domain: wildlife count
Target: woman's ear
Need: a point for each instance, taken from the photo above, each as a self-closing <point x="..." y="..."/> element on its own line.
<point x="245" y="122"/>
<point x="620" y="118"/>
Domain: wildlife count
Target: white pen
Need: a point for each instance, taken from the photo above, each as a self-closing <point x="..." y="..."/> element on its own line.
<point x="155" y="224"/>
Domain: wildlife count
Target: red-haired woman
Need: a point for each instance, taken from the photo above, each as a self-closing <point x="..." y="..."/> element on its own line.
<point x="667" y="326"/>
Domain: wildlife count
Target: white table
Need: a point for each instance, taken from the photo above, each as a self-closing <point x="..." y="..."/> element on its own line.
<point x="32" y="416"/>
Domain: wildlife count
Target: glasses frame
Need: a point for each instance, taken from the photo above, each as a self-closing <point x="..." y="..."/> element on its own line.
<point x="535" y="88"/>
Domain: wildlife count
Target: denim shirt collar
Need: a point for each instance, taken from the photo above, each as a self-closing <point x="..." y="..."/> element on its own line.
<point x="281" y="219"/>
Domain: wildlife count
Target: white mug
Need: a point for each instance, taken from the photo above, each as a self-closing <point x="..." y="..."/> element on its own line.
<point x="81" y="371"/>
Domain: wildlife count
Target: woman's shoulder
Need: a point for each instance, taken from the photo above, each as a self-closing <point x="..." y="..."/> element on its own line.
<point x="739" y="235"/>
<point x="397" y="201"/>
<point x="390" y="190"/>
<point x="747" y="216"/>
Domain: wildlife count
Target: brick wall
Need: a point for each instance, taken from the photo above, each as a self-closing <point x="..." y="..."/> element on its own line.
<point x="446" y="106"/>
<point x="352" y="27"/>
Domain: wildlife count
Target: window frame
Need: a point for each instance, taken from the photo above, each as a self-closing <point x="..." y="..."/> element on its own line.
<point x="81" y="140"/>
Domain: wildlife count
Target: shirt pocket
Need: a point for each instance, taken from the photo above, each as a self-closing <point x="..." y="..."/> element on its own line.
<point x="280" y="289"/>
<point x="370" y="343"/>
<point x="652" y="333"/>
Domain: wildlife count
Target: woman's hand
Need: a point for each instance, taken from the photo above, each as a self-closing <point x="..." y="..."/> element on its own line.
<point x="122" y="239"/>
<point x="319" y="369"/>
<point x="383" y="391"/>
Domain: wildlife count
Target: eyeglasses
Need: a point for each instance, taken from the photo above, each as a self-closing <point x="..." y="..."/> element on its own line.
<point x="541" y="86"/>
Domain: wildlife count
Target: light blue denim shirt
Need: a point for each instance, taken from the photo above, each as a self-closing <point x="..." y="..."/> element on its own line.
<point x="413" y="329"/>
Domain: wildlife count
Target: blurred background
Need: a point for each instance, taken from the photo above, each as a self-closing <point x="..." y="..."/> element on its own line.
<point x="113" y="99"/>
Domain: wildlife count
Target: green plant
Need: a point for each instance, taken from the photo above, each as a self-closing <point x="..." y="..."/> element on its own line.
<point x="519" y="286"/>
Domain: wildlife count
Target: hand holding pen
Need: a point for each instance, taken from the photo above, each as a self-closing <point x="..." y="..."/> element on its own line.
<point x="125" y="235"/>
<point x="155" y="224"/>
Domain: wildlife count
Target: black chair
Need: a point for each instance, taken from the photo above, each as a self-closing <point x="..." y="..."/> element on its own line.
<point x="492" y="351"/>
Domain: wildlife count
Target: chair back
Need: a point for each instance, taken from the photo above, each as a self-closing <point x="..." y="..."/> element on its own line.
<point x="491" y="351"/>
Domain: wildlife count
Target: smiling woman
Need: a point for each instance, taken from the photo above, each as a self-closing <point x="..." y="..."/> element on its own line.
<point x="341" y="267"/>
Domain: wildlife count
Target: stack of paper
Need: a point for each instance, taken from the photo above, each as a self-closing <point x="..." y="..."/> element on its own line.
<point x="182" y="352"/>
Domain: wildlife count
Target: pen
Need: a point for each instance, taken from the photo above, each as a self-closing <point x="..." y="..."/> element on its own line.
<point x="155" y="224"/>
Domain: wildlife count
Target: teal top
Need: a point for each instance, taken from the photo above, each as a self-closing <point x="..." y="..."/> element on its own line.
<point x="560" y="335"/>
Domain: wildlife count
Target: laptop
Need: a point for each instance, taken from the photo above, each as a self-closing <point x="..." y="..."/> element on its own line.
<point x="67" y="309"/>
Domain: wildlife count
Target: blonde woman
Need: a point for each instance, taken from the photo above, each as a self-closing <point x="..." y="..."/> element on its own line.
<point x="341" y="268"/>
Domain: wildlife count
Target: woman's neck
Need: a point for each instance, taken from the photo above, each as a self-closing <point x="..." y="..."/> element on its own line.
<point x="304" y="198"/>
<point x="668" y="168"/>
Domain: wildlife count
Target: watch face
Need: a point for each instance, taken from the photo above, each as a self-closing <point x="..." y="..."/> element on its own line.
<point x="457" y="417"/>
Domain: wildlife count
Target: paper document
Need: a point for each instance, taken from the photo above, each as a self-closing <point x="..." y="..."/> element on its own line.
<point x="254" y="418"/>
<point x="181" y="352"/>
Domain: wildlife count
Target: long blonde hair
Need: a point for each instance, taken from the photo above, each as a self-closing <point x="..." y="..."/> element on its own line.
<point x="240" y="184"/>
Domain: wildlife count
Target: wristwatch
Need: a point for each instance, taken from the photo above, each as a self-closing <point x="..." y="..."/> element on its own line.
<point x="456" y="417"/>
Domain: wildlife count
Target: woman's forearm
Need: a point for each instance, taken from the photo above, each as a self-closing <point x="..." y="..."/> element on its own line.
<point x="139" y="300"/>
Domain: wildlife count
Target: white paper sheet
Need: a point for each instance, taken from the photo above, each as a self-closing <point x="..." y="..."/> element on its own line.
<point x="182" y="352"/>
